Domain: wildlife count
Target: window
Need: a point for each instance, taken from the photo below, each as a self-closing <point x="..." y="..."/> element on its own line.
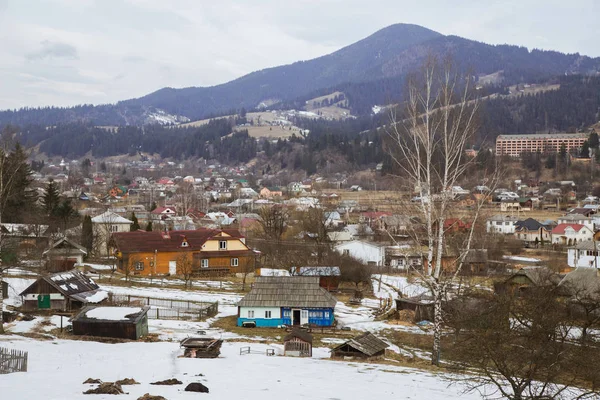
<point x="234" y="262"/>
<point x="114" y="228"/>
<point x="267" y="314"/>
<point x="346" y="252"/>
<point x="139" y="266"/>
<point x="250" y="313"/>
<point x="204" y="263"/>
<point x="326" y="314"/>
<point x="222" y="244"/>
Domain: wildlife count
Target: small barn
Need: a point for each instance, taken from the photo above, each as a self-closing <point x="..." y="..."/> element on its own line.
<point x="366" y="345"/>
<point x="114" y="322"/>
<point x="422" y="305"/>
<point x="298" y="343"/>
<point x="63" y="254"/>
<point x="329" y="277"/>
<point x="526" y="278"/>
<point x="63" y="291"/>
<point x="286" y="300"/>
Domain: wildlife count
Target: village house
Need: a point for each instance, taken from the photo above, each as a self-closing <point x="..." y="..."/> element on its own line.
<point x="161" y="213"/>
<point x="270" y="192"/>
<point x="156" y="253"/>
<point x="532" y="232"/>
<point x="404" y="257"/>
<point x="329" y="277"/>
<point x="286" y="300"/>
<point x="584" y="254"/>
<point x="571" y="234"/>
<point x="104" y="225"/>
<point x="368" y="253"/>
<point x="63" y="291"/>
<point x="577" y="219"/>
<point x="501" y="224"/>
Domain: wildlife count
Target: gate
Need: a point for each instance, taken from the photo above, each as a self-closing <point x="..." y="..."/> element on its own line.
<point x="12" y="361"/>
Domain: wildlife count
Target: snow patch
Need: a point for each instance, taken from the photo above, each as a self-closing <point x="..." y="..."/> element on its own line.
<point x="113" y="313"/>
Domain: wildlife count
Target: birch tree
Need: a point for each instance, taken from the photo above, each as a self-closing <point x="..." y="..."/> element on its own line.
<point x="427" y="141"/>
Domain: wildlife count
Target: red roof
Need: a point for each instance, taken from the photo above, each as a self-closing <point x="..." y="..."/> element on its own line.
<point x="560" y="228"/>
<point x="160" y="210"/>
<point x="142" y="241"/>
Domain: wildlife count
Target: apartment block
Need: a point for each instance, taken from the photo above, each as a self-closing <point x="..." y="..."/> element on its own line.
<point x="515" y="145"/>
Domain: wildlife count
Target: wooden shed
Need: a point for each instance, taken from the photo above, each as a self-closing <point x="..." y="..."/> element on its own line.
<point x="195" y="347"/>
<point x="64" y="291"/>
<point x="298" y="343"/>
<point x="422" y="305"/>
<point x="115" y="322"/>
<point x="366" y="345"/>
<point x="329" y="277"/>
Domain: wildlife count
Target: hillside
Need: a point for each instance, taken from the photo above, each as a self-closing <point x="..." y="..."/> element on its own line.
<point x="369" y="72"/>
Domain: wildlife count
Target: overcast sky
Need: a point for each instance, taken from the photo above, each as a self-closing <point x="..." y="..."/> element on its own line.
<point x="67" y="52"/>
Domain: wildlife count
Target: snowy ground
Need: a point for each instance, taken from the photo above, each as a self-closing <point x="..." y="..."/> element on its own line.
<point x="58" y="368"/>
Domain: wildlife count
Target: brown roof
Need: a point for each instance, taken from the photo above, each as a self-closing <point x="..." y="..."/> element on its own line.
<point x="142" y="241"/>
<point x="366" y="343"/>
<point x="288" y="291"/>
<point x="300" y="334"/>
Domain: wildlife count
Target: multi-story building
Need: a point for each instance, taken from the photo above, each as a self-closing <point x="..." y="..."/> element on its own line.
<point x="515" y="145"/>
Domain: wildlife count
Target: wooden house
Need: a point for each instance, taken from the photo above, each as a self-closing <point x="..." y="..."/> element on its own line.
<point x="526" y="278"/>
<point x="286" y="300"/>
<point x="201" y="347"/>
<point x="329" y="277"/>
<point x="365" y="345"/>
<point x="298" y="343"/>
<point x="63" y="254"/>
<point x="210" y="251"/>
<point x="115" y="322"/>
<point x="64" y="291"/>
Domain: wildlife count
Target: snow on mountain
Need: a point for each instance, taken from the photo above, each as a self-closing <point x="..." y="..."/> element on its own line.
<point x="159" y="116"/>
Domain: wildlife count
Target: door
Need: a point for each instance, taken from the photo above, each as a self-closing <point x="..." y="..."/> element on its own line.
<point x="172" y="267"/>
<point x="304" y="317"/>
<point x="295" y="317"/>
<point x="43" y="301"/>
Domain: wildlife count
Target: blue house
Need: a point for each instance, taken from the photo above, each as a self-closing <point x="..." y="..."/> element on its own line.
<point x="286" y="300"/>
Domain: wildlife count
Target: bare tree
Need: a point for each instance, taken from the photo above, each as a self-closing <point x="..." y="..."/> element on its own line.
<point x="428" y="144"/>
<point x="521" y="348"/>
<point x="185" y="267"/>
<point x="314" y="223"/>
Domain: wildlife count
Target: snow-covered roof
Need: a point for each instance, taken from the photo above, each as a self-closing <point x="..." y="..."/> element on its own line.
<point x="109" y="217"/>
<point x="113" y="313"/>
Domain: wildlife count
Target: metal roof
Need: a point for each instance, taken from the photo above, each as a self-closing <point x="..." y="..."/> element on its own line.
<point x="288" y="291"/>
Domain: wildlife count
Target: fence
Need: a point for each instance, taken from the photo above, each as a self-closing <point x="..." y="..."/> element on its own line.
<point x="12" y="361"/>
<point x="247" y="350"/>
<point x="168" y="308"/>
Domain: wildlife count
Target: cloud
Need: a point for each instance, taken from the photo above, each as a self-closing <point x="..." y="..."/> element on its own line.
<point x="50" y="50"/>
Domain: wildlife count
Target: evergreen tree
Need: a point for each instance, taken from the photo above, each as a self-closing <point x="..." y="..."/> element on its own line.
<point x="51" y="198"/>
<point x="87" y="233"/>
<point x="22" y="198"/>
<point x="153" y="206"/>
<point x="136" y="225"/>
<point x="149" y="226"/>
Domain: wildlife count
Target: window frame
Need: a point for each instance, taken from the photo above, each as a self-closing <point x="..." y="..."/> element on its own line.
<point x="139" y="265"/>
<point x="250" y="313"/>
<point x="204" y="263"/>
<point x="234" y="262"/>
<point x="222" y="244"/>
<point x="268" y="314"/>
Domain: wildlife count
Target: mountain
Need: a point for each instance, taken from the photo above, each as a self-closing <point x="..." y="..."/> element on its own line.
<point x="369" y="72"/>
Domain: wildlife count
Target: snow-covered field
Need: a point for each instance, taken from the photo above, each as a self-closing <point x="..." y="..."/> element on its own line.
<point x="58" y="368"/>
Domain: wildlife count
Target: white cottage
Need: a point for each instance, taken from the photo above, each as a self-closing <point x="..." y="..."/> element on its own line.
<point x="584" y="254"/>
<point x="368" y="253"/>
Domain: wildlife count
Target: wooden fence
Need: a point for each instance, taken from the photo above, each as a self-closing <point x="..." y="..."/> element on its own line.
<point x="168" y="308"/>
<point x="12" y="361"/>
